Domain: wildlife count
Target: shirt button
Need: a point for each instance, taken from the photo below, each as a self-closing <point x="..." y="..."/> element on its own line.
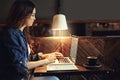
<point x="21" y="62"/>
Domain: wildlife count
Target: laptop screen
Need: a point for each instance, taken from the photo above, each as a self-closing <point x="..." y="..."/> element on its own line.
<point x="73" y="50"/>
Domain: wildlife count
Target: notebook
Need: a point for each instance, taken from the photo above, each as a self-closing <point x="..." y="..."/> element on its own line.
<point x="66" y="63"/>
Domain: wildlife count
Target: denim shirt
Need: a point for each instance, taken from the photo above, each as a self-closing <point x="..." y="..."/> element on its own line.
<point x="13" y="55"/>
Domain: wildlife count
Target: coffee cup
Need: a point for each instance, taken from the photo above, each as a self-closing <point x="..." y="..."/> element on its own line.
<point x="92" y="60"/>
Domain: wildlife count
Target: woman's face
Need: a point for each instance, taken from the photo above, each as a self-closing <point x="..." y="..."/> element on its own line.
<point x="30" y="19"/>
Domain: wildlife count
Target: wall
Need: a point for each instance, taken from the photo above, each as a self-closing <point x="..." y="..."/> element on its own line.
<point x="91" y="9"/>
<point x="45" y="8"/>
<point x="74" y="10"/>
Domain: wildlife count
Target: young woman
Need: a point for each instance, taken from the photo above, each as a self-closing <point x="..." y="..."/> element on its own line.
<point x="14" y="49"/>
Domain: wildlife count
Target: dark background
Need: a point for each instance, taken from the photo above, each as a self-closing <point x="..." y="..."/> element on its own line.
<point x="73" y="9"/>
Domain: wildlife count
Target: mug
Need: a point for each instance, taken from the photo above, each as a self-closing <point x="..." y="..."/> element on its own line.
<point x="92" y="60"/>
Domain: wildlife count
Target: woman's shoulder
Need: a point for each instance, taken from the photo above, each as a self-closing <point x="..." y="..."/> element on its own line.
<point x="13" y="32"/>
<point x="10" y="33"/>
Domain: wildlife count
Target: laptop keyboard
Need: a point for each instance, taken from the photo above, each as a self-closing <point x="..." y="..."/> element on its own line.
<point x="63" y="60"/>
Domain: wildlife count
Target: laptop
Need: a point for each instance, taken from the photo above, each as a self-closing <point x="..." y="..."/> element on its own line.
<point x="66" y="63"/>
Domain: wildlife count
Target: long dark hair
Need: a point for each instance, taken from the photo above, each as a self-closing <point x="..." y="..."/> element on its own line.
<point x="18" y="13"/>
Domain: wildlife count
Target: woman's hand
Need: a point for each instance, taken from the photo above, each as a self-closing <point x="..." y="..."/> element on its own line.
<point x="51" y="58"/>
<point x="58" y="54"/>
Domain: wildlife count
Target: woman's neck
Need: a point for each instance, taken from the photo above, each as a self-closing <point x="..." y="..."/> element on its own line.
<point x="22" y="28"/>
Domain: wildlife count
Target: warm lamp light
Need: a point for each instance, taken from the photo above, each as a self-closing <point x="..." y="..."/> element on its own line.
<point x="59" y="22"/>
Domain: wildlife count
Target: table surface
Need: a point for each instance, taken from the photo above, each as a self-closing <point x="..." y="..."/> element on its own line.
<point x="41" y="71"/>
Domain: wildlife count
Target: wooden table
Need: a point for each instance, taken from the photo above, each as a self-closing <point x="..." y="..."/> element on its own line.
<point x="85" y="73"/>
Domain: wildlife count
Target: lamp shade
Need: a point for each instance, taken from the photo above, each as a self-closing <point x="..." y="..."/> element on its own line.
<point x="59" y="22"/>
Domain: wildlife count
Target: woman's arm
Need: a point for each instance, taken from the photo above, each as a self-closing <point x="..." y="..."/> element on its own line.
<point x="33" y="64"/>
<point x="47" y="59"/>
